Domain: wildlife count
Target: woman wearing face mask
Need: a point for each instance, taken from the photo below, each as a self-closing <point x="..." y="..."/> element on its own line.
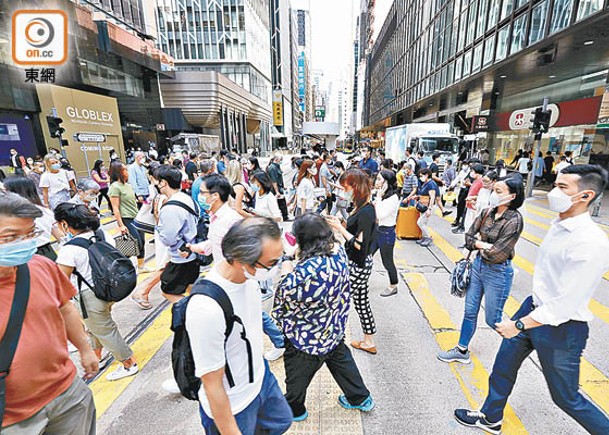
<point x="359" y="234"/>
<point x="266" y="202"/>
<point x="311" y="308"/>
<point x="305" y="190"/>
<point x="87" y="192"/>
<point x="161" y="251"/>
<point x="341" y="204"/>
<point x="99" y="173"/>
<point x="386" y="206"/>
<point x="427" y="194"/>
<point x="484" y="195"/>
<point x="240" y="198"/>
<point x="124" y="204"/>
<point x="493" y="234"/>
<point x="253" y="166"/>
<point x="77" y="221"/>
<point x="25" y="188"/>
<point x="56" y="183"/>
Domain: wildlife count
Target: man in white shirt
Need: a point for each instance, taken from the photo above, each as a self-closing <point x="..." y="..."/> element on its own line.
<point x="562" y="164"/>
<point x="554" y="320"/>
<point x="213" y="198"/>
<point x="254" y="404"/>
<point x="138" y="177"/>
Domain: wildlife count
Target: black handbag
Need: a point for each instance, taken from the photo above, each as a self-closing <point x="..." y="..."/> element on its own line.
<point x="8" y="344"/>
<point x="127" y="245"/>
<point x="421" y="208"/>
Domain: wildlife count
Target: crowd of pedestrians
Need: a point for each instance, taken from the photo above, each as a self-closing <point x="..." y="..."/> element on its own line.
<point x="303" y="234"/>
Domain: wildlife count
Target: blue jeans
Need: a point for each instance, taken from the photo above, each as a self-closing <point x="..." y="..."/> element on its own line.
<point x="270" y="328"/>
<point x="269" y="413"/>
<point x="559" y="349"/>
<point x="494" y="281"/>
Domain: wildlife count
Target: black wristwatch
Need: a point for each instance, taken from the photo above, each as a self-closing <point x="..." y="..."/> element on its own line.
<point x="519" y="325"/>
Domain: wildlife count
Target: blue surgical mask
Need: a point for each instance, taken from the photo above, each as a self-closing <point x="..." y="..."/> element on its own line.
<point x="203" y="203"/>
<point x="65" y="239"/>
<point x="348" y="196"/>
<point x="255" y="188"/>
<point x="56" y="166"/>
<point x="17" y="253"/>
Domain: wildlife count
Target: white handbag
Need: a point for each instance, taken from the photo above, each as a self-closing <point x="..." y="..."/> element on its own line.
<point x="145" y="221"/>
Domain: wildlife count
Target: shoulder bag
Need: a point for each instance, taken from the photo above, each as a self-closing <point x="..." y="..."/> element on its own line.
<point x="8" y="344"/>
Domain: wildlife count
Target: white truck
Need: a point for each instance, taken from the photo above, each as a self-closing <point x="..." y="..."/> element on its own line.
<point x="430" y="138"/>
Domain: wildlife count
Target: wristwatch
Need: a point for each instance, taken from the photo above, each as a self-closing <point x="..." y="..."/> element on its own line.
<point x="519" y="325"/>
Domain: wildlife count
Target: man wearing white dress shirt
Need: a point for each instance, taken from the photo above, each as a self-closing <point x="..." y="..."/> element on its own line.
<point x="554" y="320"/>
<point x="213" y="197"/>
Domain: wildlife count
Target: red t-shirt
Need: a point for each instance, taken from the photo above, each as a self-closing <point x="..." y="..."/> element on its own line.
<point x="41" y="369"/>
<point x="473" y="191"/>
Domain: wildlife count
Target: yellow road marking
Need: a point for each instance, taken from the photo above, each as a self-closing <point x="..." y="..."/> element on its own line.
<point x="592" y="381"/>
<point x="472" y="378"/>
<point x="106" y="392"/>
<point x="542" y="212"/>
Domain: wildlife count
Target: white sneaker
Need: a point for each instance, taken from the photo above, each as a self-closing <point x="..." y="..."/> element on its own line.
<point x="171" y="386"/>
<point x="144" y="269"/>
<point x="122" y="372"/>
<point x="275" y="354"/>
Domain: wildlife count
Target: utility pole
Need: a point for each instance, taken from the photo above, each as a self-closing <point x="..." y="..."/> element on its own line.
<point x="541" y="124"/>
<point x="59" y="137"/>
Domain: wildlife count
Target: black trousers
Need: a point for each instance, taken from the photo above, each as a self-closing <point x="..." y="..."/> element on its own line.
<point x="283" y="206"/>
<point x="103" y="193"/>
<point x="300" y="368"/>
<point x="461" y="205"/>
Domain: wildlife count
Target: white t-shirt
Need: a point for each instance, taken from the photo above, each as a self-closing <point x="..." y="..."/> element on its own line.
<point x="205" y="325"/>
<point x="561" y="165"/>
<point x="45" y="223"/>
<point x="56" y="182"/>
<point x="267" y="206"/>
<point x="306" y="190"/>
<point x="523" y="165"/>
<point x="387" y="210"/>
<point x="78" y="258"/>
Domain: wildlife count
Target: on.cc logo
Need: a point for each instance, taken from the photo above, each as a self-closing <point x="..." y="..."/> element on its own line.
<point x="40" y="37"/>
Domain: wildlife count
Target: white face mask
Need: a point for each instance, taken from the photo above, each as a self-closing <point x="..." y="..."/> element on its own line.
<point x="559" y="201"/>
<point x="495" y="200"/>
<point x="262" y="274"/>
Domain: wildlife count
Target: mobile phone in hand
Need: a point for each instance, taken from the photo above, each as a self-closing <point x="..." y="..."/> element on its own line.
<point x="184" y="248"/>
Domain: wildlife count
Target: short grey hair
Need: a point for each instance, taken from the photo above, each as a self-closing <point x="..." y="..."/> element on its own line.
<point x="85" y="184"/>
<point x="243" y="242"/>
<point x="13" y="205"/>
<point x="206" y="166"/>
<point x="139" y="154"/>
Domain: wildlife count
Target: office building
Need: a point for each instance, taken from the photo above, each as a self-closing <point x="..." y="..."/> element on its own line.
<point x="456" y="60"/>
<point x="211" y="41"/>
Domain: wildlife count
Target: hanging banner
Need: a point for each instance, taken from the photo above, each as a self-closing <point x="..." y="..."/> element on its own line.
<point x="277" y="107"/>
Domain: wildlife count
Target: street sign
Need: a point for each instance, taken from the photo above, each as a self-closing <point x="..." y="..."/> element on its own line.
<point x="90" y="137"/>
<point x="481" y="123"/>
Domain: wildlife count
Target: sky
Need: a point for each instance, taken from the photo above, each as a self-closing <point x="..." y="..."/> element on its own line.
<point x="333" y="30"/>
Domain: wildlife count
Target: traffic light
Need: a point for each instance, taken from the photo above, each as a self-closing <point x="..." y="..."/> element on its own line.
<point x="540" y="123"/>
<point x="55" y="128"/>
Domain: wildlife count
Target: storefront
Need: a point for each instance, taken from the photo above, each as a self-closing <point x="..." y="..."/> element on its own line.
<point x="573" y="127"/>
<point x="91" y="122"/>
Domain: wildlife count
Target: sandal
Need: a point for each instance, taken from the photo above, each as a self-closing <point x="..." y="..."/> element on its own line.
<point x="359" y="346"/>
<point x="142" y="303"/>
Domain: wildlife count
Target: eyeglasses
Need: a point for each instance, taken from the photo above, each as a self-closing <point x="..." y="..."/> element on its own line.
<point x="272" y="264"/>
<point x="37" y="232"/>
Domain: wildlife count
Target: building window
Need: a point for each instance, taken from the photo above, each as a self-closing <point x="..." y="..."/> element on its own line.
<point x="507" y="7"/>
<point x="467" y="63"/>
<point x="520" y="3"/>
<point x="471" y="29"/>
<point x="489" y="50"/>
<point x="477" y="60"/>
<point x="588" y="7"/>
<point x="502" y="41"/>
<point x="561" y="15"/>
<point x="480" y="25"/>
<point x="539" y="18"/>
<point x="458" y="67"/>
<point x="493" y="14"/>
<point x="462" y="31"/>
<point x="518" y="34"/>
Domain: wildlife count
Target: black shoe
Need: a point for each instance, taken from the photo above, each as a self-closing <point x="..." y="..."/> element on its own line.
<point x="446" y="212"/>
<point x="455" y="224"/>
<point x="459" y="230"/>
<point x="477" y="419"/>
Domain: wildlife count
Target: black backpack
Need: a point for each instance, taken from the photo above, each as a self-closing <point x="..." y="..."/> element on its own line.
<point x="113" y="275"/>
<point x="202" y="228"/>
<point x="182" y="360"/>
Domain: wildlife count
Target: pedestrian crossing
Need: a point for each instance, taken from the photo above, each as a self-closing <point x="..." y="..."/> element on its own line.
<point x="473" y="380"/>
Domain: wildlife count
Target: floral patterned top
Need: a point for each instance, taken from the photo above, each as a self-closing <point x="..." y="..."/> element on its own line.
<point x="312" y="303"/>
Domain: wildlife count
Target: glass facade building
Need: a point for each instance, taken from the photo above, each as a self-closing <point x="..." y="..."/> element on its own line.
<point x="450" y="60"/>
<point x="427" y="46"/>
